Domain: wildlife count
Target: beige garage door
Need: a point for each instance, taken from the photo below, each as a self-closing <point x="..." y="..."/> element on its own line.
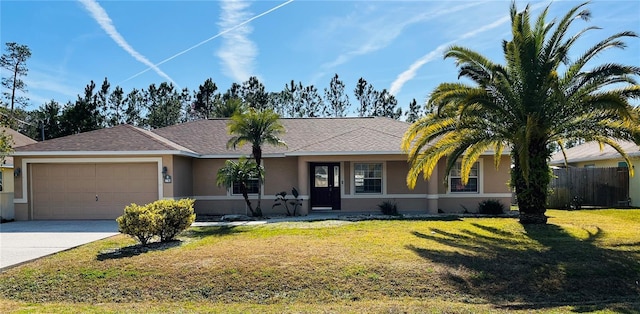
<point x="91" y="191"/>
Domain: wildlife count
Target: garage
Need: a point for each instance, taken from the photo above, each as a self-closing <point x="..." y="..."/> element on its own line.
<point x="90" y="190"/>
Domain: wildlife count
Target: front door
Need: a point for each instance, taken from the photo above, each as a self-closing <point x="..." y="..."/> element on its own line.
<point x="325" y="186"/>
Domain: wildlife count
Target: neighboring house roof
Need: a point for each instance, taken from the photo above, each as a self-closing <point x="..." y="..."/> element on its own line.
<point x="19" y="140"/>
<point x="591" y="151"/>
<point x="119" y="139"/>
<point x="303" y="136"/>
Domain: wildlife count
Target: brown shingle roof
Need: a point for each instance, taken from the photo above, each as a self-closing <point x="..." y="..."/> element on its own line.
<point x="19" y="140"/>
<point x="591" y="151"/>
<point x="303" y="136"/>
<point x="121" y="138"/>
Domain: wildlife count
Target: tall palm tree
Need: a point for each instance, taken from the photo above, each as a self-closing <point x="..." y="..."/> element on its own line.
<point x="240" y="173"/>
<point x="258" y="127"/>
<point x="538" y="97"/>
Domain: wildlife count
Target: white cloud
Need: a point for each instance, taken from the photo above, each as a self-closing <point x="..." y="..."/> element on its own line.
<point x="102" y="18"/>
<point x="238" y="52"/>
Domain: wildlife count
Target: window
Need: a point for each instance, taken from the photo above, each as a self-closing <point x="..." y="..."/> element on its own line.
<point x="253" y="187"/>
<point x="455" y="179"/>
<point x="368" y="178"/>
<point x="623" y="164"/>
<point x="590" y="165"/>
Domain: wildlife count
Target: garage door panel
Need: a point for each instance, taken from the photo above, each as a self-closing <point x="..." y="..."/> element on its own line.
<point x="148" y="171"/>
<point x="110" y="170"/>
<point x="49" y="185"/>
<point x="75" y="170"/>
<point x="144" y="186"/>
<point x="82" y="184"/>
<point x="68" y="191"/>
<point x="79" y="198"/>
<point x="105" y="186"/>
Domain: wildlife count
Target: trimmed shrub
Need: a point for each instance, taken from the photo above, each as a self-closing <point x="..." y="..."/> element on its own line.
<point x="138" y="222"/>
<point x="388" y="208"/>
<point x="174" y="216"/>
<point x="491" y="207"/>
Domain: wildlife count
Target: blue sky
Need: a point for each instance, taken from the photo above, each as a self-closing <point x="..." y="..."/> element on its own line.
<point x="395" y="45"/>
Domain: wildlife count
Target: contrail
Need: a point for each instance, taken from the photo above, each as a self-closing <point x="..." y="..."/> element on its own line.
<point x="102" y="18"/>
<point x="209" y="39"/>
<point x="410" y="73"/>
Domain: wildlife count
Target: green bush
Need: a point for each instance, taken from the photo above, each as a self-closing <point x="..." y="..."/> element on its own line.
<point x="162" y="218"/>
<point x="138" y="222"/>
<point x="388" y="208"/>
<point x="491" y="207"/>
<point x="174" y="216"/>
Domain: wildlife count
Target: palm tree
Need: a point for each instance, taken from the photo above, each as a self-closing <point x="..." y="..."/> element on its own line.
<point x="227" y="108"/>
<point x="240" y="173"/>
<point x="257" y="127"/>
<point x="539" y="97"/>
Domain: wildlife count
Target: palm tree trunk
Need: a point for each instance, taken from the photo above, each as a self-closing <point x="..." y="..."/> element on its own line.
<point x="245" y="194"/>
<point x="531" y="191"/>
<point x="258" y="208"/>
<point x="257" y="155"/>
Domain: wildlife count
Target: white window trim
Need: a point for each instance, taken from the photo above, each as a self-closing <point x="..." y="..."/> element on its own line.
<point x="352" y="177"/>
<point x="480" y="181"/>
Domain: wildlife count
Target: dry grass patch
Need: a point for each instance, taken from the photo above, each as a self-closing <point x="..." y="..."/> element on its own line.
<point x="587" y="260"/>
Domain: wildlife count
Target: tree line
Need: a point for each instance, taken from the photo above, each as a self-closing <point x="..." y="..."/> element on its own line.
<point x="164" y="104"/>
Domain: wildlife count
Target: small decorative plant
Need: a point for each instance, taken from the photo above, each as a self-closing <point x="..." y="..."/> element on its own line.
<point x="491" y="207"/>
<point x="388" y="208"/>
<point x="282" y="200"/>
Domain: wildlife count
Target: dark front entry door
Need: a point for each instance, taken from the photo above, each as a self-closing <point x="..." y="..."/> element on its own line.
<point x="325" y="186"/>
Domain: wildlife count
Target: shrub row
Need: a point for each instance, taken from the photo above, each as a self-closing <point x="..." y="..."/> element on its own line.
<point x="163" y="218"/>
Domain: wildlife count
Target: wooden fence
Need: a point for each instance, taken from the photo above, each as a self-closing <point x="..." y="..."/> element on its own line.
<point x="593" y="187"/>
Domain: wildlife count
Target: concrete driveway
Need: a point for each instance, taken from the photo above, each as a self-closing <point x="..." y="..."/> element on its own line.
<point x="23" y="241"/>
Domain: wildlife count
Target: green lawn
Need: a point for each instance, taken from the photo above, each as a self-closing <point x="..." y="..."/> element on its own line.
<point x="582" y="261"/>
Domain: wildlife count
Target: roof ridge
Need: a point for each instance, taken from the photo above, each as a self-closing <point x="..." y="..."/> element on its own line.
<point x="382" y="131"/>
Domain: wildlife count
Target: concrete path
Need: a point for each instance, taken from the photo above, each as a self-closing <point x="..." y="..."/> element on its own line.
<point x="23" y="241"/>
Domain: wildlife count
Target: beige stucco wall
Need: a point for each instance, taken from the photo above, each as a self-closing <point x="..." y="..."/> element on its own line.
<point x="497" y="181"/>
<point x="397" y="179"/>
<point x="458" y="205"/>
<point x="182" y="177"/>
<point x="281" y="174"/>
<point x="204" y="177"/>
<point x="346" y="168"/>
<point x="634" y="182"/>
<point x="17" y="181"/>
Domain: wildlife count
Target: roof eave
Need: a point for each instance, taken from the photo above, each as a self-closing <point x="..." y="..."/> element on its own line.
<point x="344" y="153"/>
<point x="104" y="153"/>
<point x="590" y="158"/>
